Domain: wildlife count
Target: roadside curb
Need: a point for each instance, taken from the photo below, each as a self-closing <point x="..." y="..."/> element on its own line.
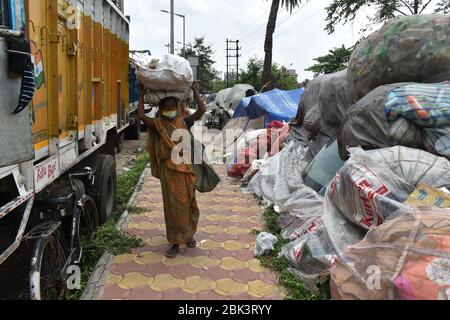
<point x="95" y="286"/>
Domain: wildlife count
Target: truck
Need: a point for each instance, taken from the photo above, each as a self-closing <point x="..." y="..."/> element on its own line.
<point x="57" y="155"/>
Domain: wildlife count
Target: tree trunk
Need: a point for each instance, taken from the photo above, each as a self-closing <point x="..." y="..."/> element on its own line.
<point x="416" y="6"/>
<point x="268" y="45"/>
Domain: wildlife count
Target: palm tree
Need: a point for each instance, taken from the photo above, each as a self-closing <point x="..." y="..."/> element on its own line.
<point x="268" y="45"/>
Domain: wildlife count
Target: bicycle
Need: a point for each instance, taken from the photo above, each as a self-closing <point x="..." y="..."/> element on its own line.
<point x="58" y="241"/>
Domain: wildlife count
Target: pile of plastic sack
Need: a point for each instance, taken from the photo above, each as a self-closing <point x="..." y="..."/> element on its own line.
<point x="168" y="76"/>
<point x="254" y="147"/>
<point x="381" y="230"/>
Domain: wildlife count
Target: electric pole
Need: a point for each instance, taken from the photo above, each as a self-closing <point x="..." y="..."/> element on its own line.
<point x="172" y="27"/>
<point x="232" y="53"/>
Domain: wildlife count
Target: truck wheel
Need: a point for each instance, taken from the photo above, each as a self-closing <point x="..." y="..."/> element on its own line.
<point x="105" y="187"/>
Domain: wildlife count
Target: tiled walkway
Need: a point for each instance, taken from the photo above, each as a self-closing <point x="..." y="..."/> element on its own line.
<point x="221" y="268"/>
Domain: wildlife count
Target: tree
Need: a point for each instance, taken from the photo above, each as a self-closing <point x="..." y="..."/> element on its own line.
<point x="208" y="75"/>
<point x="346" y="10"/>
<point x="336" y="60"/>
<point x="267" y="75"/>
<point x="253" y="73"/>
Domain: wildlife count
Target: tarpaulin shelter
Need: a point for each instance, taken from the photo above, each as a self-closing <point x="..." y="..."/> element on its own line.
<point x="275" y="105"/>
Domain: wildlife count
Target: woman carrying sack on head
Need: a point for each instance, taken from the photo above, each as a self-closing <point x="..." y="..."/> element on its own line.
<point x="177" y="180"/>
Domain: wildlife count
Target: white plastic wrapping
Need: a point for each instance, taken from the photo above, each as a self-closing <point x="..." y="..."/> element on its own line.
<point x="371" y="188"/>
<point x="281" y="177"/>
<point x="265" y="244"/>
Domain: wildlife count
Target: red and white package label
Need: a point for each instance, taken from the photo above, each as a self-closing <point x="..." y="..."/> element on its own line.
<point x="368" y="187"/>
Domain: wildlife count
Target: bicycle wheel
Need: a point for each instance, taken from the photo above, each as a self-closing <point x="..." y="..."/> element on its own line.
<point x="47" y="263"/>
<point x="89" y="220"/>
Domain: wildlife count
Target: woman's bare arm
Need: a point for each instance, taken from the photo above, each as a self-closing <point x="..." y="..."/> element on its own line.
<point x="201" y="103"/>
<point x="141" y="112"/>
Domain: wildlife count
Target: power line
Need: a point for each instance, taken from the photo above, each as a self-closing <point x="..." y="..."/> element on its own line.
<point x="285" y="32"/>
<point x="251" y="43"/>
<point x="250" y="27"/>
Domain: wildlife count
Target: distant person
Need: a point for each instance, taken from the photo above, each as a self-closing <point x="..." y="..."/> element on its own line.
<point x="181" y="212"/>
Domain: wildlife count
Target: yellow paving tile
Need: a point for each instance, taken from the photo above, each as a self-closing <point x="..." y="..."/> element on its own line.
<point x="219" y="208"/>
<point x="260" y="289"/>
<point x="157" y="241"/>
<point x="148" y="258"/>
<point x="209" y="245"/>
<point x="178" y="261"/>
<point x="144" y="226"/>
<point x="236" y="218"/>
<point x="166" y="282"/>
<point x="213" y="229"/>
<point x="154" y="214"/>
<point x="113" y="279"/>
<point x="255" y="266"/>
<point x="196" y="285"/>
<point x="135" y="280"/>
<point x="233" y="245"/>
<point x="205" y="262"/>
<point x="229" y="287"/>
<point x="232" y="264"/>
<point x="235" y="231"/>
<point x="239" y="209"/>
<point x="124" y="258"/>
<point x="216" y="217"/>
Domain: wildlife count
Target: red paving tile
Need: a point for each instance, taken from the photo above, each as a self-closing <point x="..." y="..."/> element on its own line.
<point x="143" y="293"/>
<point x="186" y="271"/>
<point x="124" y="268"/>
<point x="177" y="295"/>
<point x="156" y="269"/>
<point x="217" y="273"/>
<point x="246" y="276"/>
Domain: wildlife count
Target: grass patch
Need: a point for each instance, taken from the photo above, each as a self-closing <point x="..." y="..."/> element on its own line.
<point x="108" y="238"/>
<point x="294" y="287"/>
<point x="136" y="210"/>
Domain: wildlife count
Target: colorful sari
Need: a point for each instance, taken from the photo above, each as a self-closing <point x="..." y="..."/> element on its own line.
<point x="181" y="211"/>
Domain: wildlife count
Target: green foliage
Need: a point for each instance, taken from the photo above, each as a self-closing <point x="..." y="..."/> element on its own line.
<point x="336" y="60"/>
<point x="282" y="80"/>
<point x="343" y="11"/>
<point x="208" y="75"/>
<point x="252" y="75"/>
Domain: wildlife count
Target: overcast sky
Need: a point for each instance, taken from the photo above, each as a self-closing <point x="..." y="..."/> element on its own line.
<point x="299" y="37"/>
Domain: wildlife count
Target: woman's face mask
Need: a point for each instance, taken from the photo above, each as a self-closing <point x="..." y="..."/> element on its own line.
<point x="170" y="115"/>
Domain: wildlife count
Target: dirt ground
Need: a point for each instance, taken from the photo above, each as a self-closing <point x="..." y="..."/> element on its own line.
<point x="130" y="151"/>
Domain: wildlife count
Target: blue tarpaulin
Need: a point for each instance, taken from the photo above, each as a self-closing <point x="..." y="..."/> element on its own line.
<point x="275" y="105"/>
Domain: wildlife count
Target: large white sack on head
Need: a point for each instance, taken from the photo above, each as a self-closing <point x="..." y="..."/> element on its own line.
<point x="153" y="98"/>
<point x="168" y="73"/>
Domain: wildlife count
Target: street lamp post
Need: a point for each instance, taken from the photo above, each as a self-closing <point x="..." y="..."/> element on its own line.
<point x="184" y="30"/>
<point x="172" y="27"/>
